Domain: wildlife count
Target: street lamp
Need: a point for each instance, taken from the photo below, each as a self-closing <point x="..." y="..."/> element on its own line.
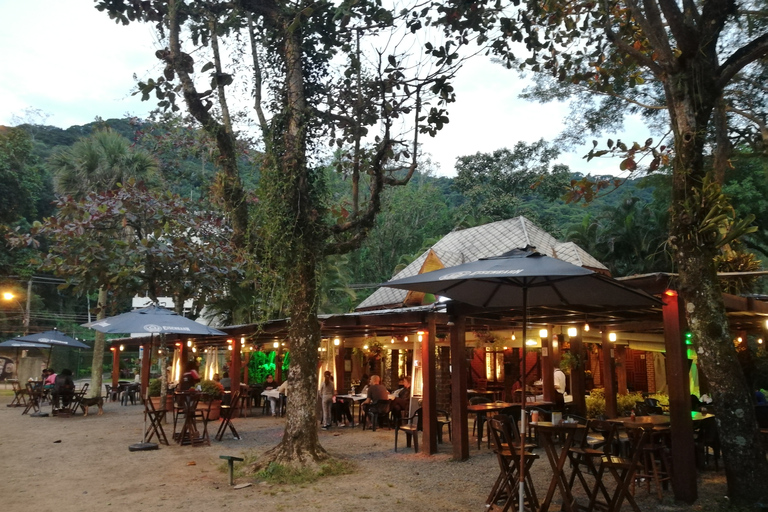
<point x="8" y="296"/>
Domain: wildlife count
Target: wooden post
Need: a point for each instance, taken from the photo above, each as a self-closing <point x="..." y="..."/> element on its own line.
<point x="683" y="450"/>
<point x="547" y="367"/>
<point x="279" y="363"/>
<point x="620" y="352"/>
<point x="115" y="348"/>
<point x="578" y="381"/>
<point x="338" y="361"/>
<point x="146" y="364"/>
<point x="459" y="389"/>
<point x="246" y="373"/>
<point x="608" y="376"/>
<point x="234" y="371"/>
<point x="429" y="399"/>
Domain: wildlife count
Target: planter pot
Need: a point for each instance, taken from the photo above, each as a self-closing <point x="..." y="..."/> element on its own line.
<point x="158" y="404"/>
<point x="215" y="412"/>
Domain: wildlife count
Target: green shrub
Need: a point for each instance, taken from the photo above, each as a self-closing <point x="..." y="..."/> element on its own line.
<point x="154" y="387"/>
<point x="624" y="403"/>
<point x="211" y="387"/>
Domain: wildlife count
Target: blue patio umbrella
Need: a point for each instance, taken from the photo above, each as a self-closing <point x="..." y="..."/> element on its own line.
<point x="153" y="319"/>
<point x="52" y="338"/>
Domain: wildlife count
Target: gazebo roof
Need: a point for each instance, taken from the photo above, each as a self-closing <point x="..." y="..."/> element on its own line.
<point x="481" y="242"/>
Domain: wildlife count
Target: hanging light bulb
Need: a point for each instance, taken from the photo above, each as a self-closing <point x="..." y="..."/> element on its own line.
<point x="586" y="327"/>
<point x="229" y="347"/>
<point x="572" y="331"/>
<point x="336" y="341"/>
<point x="365" y="347"/>
<point x="612" y="337"/>
<point x="421" y="337"/>
<point x="405" y="338"/>
<point x="392" y="340"/>
<point x="122" y="347"/>
<point x="189" y="343"/>
<point x="276" y="344"/>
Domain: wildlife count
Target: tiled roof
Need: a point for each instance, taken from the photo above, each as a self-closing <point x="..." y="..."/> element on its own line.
<point x="485" y="241"/>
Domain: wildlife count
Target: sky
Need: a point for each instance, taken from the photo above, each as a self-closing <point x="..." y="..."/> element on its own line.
<point x="74" y="64"/>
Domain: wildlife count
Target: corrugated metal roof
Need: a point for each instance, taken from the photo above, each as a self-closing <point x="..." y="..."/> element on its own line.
<point x="485" y="241"/>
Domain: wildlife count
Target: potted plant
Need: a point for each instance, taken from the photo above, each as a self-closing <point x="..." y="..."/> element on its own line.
<point x="154" y="395"/>
<point x="212" y="393"/>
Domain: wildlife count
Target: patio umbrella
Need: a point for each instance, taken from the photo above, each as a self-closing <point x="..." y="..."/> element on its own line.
<point x="520" y="279"/>
<point x="154" y="320"/>
<point x="22" y="344"/>
<point x="53" y="338"/>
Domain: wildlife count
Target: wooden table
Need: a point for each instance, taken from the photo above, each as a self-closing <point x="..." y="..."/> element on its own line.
<point x="557" y="457"/>
<point x="482" y="410"/>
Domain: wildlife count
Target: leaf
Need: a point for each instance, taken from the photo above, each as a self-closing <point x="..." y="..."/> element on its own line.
<point x="628" y="165"/>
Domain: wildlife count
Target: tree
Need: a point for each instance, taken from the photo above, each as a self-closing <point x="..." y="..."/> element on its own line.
<point x="326" y="84"/>
<point x="500" y="184"/>
<point x="98" y="163"/>
<point x="693" y="53"/>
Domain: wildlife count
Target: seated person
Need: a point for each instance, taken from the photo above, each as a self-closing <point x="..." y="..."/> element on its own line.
<point x="403" y="400"/>
<point x="64" y="388"/>
<point x="50" y="380"/>
<point x="376" y="392"/>
<point x="226" y="381"/>
<point x="274" y="402"/>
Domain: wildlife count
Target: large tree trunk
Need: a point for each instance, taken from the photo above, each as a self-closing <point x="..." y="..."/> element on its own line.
<point x="97" y="364"/>
<point x="691" y="96"/>
<point x="298" y="265"/>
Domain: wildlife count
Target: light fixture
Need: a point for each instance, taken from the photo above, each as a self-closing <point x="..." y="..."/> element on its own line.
<point x="365" y="347"/>
<point x="242" y="341"/>
<point x="229" y="347"/>
<point x="586" y="327"/>
<point x="739" y="339"/>
<point x="505" y="348"/>
<point x="543" y="333"/>
<point x="194" y="350"/>
<point x="513" y="337"/>
<point x="759" y="341"/>
<point x="122" y="347"/>
<point x="530" y="343"/>
<point x="554" y="341"/>
<point x="276" y="344"/>
<point x="421" y="337"/>
<point x="229" y="341"/>
<point x="319" y="349"/>
<point x="283" y="344"/>
<point x="612" y="337"/>
<point x="405" y="338"/>
<point x="572" y="331"/>
<point x="336" y="341"/>
<point x="8" y="296"/>
<point x="392" y="340"/>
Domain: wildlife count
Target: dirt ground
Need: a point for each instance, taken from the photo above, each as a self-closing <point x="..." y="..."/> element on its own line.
<point x="83" y="463"/>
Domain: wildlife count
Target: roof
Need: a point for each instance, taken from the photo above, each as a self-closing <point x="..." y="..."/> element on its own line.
<point x="483" y="241"/>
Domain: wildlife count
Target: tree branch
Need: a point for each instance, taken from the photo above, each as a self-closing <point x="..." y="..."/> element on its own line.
<point x="754" y="50"/>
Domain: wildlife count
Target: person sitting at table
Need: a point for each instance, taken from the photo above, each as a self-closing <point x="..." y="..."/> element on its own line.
<point x="50" y="381"/>
<point x="376" y="392"/>
<point x="402" y="401"/>
<point x="64" y="388"/>
<point x="190" y="377"/>
<point x="226" y="382"/>
<point x="274" y="402"/>
<point x="559" y="378"/>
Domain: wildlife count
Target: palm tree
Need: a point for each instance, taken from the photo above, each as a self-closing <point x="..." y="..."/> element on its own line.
<point x="98" y="163"/>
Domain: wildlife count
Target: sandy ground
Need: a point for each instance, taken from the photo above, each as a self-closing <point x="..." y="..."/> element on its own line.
<point x="83" y="463"/>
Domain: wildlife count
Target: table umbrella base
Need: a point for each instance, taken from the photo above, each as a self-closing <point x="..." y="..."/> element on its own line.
<point x="142" y="447"/>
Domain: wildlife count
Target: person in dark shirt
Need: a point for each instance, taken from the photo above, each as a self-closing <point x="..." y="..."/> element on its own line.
<point x="402" y="401"/>
<point x="376" y="392"/>
<point x="63" y="388"/>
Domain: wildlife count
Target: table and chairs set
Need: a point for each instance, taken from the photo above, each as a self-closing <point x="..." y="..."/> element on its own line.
<point x="595" y="464"/>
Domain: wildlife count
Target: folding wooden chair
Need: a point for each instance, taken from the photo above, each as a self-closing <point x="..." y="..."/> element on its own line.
<point x="34" y="397"/>
<point x="227" y="412"/>
<point x="19" y="395"/>
<point x="505" y="488"/>
<point x="155" y="417"/>
<point x="622" y="469"/>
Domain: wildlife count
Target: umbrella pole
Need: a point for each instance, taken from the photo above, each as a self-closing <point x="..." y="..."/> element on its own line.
<point x="523" y="416"/>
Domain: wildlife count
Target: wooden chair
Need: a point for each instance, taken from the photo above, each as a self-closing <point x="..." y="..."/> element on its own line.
<point x="34" y="398"/>
<point x="227" y="412"/>
<point x="508" y="455"/>
<point x="155" y="417"/>
<point x="411" y="428"/>
<point x="19" y="395"/>
<point x="655" y="458"/>
<point x="588" y="448"/>
<point x="707" y="437"/>
<point x="622" y="469"/>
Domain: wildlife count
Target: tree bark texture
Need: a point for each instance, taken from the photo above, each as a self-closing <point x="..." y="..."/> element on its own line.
<point x="692" y="95"/>
<point x="97" y="363"/>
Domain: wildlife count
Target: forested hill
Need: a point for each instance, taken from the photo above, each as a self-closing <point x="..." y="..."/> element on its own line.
<point x="625" y="228"/>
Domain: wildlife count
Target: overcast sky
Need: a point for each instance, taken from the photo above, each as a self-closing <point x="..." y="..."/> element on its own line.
<point x="72" y="62"/>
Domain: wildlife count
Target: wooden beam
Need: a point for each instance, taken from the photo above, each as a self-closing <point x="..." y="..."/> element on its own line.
<point x="547" y="367"/>
<point x="459" y="390"/>
<point x="115" y="363"/>
<point x="620" y="365"/>
<point x="683" y="450"/>
<point x="578" y="380"/>
<point x="608" y="376"/>
<point x="234" y="371"/>
<point x="429" y="399"/>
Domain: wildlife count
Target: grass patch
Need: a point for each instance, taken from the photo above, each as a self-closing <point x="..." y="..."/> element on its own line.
<point x="280" y="474"/>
